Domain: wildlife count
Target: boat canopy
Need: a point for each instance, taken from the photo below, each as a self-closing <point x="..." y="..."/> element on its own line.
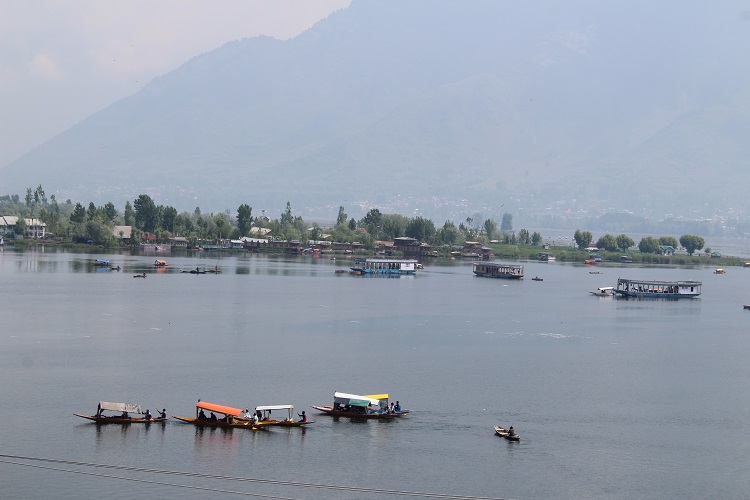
<point x="274" y="407"/>
<point x="354" y="400"/>
<point x="606" y="288"/>
<point x="378" y="396"/>
<point x="128" y="407"/>
<point x="226" y="410"/>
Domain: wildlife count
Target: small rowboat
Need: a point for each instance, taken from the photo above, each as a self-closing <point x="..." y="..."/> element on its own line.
<point x="505" y="433"/>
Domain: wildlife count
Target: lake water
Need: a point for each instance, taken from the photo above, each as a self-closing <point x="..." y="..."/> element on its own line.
<point x="613" y="398"/>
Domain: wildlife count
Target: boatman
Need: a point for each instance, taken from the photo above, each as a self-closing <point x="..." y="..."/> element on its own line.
<point x="511" y="432"/>
<point x="147" y="415"/>
<point x="303" y="416"/>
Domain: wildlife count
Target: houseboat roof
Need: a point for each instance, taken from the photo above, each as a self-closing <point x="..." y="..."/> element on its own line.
<point x="660" y="282"/>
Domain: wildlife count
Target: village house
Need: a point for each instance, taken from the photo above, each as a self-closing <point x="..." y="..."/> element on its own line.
<point x="35" y="228"/>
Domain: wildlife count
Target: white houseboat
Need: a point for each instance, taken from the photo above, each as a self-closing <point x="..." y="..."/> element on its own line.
<point x="384" y="266"/>
<point x="658" y="289"/>
<point x="496" y="270"/>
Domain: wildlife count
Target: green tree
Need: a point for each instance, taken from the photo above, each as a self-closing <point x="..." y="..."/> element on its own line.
<point x="352" y="224"/>
<point x="583" y="238"/>
<point x="91" y="212"/>
<point x="448" y="234"/>
<point x="372" y="221"/>
<point x="648" y="245"/>
<point x="490" y="228"/>
<point x="146" y="214"/>
<point x="421" y="229"/>
<point x="110" y="212"/>
<point x="99" y="231"/>
<point x="78" y="215"/>
<point x="608" y="243"/>
<point x="624" y="242"/>
<point x="244" y="219"/>
<point x="506" y="226"/>
<point x="523" y="237"/>
<point x="691" y="243"/>
<point x="341" y="217"/>
<point x="29" y="197"/>
<point x="669" y="241"/>
<point x="167" y="216"/>
<point x="287" y="218"/>
<point x="129" y="214"/>
<point x="536" y="238"/>
<point x="20" y="227"/>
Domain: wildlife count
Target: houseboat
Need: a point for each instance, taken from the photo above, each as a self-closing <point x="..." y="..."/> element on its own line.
<point x="384" y="266"/>
<point x="658" y="289"/>
<point x="496" y="270"/>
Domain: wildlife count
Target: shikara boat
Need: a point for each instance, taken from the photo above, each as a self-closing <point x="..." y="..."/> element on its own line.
<point x="122" y="416"/>
<point x="505" y="433"/>
<point x="228" y="419"/>
<point x="264" y="413"/>
<point x="374" y="406"/>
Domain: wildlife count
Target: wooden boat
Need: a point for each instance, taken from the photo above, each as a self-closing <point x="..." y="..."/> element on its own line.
<point x="746" y="307"/>
<point x="265" y="419"/>
<point x="101" y="263"/>
<point x="604" y="291"/>
<point x="374" y="406"/>
<point x="122" y="417"/>
<point x="658" y="289"/>
<point x="160" y="263"/>
<point x="384" y="266"/>
<point x="496" y="270"/>
<point x="505" y="433"/>
<point x="537" y="278"/>
<point x="229" y="419"/>
<point x="719" y="270"/>
<point x="139" y="275"/>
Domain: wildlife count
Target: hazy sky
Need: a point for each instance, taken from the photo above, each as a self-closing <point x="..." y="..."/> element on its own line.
<point x="62" y="60"/>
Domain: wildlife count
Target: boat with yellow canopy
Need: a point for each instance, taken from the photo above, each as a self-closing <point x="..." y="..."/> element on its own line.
<point x="373" y="406"/>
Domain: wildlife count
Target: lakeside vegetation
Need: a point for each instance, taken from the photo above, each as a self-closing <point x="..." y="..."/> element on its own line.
<point x="72" y="223"/>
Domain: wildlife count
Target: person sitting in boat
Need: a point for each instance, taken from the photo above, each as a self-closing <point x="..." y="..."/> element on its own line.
<point x="398" y="406"/>
<point x="124" y="415"/>
<point x="392" y="409"/>
<point x="303" y="417"/>
<point x="256" y="418"/>
<point x="212" y="418"/>
<point x="246" y="414"/>
<point x="163" y="413"/>
<point x="511" y="432"/>
<point x="147" y="415"/>
<point x="202" y="416"/>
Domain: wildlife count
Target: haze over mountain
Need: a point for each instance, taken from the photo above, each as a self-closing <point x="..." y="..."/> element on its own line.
<point x="439" y="108"/>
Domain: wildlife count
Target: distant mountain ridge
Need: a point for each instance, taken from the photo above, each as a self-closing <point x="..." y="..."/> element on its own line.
<point x="438" y="106"/>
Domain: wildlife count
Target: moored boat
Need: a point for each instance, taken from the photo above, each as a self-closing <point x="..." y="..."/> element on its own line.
<point x="604" y="291"/>
<point x="546" y="257"/>
<point x="384" y="266"/>
<point x="374" y="406"/>
<point x="160" y="263"/>
<point x="228" y="420"/>
<point x="497" y="270"/>
<point x="101" y="263"/>
<point x="122" y="416"/>
<point x="645" y="289"/>
<point x="719" y="270"/>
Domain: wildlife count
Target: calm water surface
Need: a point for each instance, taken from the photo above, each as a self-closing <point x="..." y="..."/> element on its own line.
<point x="613" y="398"/>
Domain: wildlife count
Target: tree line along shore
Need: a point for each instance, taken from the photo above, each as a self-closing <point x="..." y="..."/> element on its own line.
<point x="68" y="223"/>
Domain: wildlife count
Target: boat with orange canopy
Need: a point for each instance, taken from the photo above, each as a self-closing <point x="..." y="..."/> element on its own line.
<point x="228" y="416"/>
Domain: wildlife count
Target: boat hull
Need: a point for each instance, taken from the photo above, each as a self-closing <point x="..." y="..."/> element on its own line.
<point x="655" y="295"/>
<point x="504" y="433"/>
<point x="237" y="424"/>
<point x="328" y="410"/>
<point x="120" y="420"/>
